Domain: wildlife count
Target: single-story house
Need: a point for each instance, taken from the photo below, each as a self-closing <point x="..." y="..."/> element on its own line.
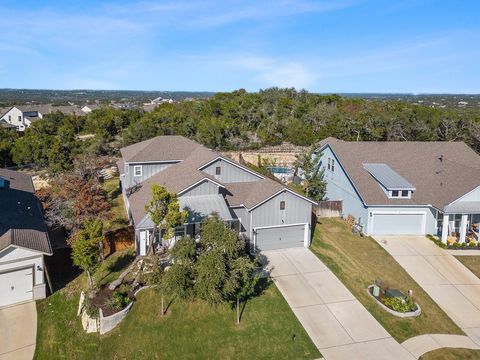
<point x="23" y="241"/>
<point x="263" y="211"/>
<point x="411" y="188"/>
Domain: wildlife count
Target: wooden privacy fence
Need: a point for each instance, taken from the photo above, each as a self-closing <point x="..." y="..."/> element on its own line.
<point x="329" y="208"/>
<point x="118" y="240"/>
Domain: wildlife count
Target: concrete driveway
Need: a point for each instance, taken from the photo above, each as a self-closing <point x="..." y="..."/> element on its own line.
<point x="337" y="323"/>
<point x="448" y="282"/>
<point x="18" y="331"/>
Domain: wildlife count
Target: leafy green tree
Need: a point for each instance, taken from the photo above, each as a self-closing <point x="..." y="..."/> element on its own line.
<point x="164" y="211"/>
<point x="7" y="141"/>
<point x="309" y="163"/>
<point x="86" y="249"/>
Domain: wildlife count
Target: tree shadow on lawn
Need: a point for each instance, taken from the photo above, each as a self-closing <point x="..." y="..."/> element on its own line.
<point x="260" y="288"/>
<point x="120" y="263"/>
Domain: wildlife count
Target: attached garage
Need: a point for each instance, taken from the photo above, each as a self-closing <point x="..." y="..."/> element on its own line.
<point x="398" y="223"/>
<point x="280" y="237"/>
<point x="16" y="286"/>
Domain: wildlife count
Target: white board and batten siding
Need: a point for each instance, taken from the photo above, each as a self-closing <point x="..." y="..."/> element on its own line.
<point x="148" y="170"/>
<point x="21" y="276"/>
<point x="230" y="173"/>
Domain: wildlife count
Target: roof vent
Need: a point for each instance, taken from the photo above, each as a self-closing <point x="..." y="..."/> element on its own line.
<point x="440" y="158"/>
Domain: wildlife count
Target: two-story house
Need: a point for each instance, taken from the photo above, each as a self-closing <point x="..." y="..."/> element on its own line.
<point x="266" y="213"/>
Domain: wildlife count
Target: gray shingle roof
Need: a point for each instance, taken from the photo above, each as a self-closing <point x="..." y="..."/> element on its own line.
<point x="180" y="176"/>
<point x="21" y="218"/>
<point x="440" y="171"/>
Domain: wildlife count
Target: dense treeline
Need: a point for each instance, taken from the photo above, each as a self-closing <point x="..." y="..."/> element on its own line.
<point x="239" y="120"/>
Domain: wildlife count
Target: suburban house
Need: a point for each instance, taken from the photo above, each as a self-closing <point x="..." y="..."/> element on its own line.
<point x="22" y="116"/>
<point x="89" y="108"/>
<point x="23" y="241"/>
<point x="411" y="188"/>
<point x="266" y="213"/>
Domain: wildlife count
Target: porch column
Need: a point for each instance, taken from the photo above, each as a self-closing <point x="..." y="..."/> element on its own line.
<point x="463" y="228"/>
<point x="446" y="219"/>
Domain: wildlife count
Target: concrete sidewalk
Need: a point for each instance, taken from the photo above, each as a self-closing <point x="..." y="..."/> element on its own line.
<point x="337" y="323"/>
<point x="448" y="282"/>
<point x="18" y="331"/>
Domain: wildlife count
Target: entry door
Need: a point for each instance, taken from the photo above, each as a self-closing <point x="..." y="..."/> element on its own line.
<point x="143" y="242"/>
<point x="16" y="286"/>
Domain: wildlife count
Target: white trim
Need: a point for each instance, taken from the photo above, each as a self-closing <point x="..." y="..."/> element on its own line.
<point x="320" y="150"/>
<point x="26" y="248"/>
<point x="199" y="182"/>
<point x="305" y="231"/>
<point x="461" y="197"/>
<point x="135" y="167"/>
<point x="278" y="193"/>
<point x="371" y="218"/>
<point x="231" y="163"/>
<point x="237" y="206"/>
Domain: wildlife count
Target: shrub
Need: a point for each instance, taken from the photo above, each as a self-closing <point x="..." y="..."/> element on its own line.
<point x="472" y="244"/>
<point x="119" y="300"/>
<point x="399" y="304"/>
<point x="457" y="245"/>
<point x="464" y="244"/>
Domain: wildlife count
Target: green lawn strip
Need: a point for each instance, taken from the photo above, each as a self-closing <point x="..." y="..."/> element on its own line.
<point x="113" y="266"/>
<point x="451" y="354"/>
<point x="471" y="262"/>
<point x="189" y="330"/>
<point x="358" y="261"/>
<point x="114" y="196"/>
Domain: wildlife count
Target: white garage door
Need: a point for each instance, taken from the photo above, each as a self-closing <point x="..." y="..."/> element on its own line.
<point x="16" y="286"/>
<point x="398" y="224"/>
<point x="281" y="237"/>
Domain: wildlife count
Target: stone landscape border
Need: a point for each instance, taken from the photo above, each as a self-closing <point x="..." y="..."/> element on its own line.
<point x="393" y="312"/>
<point x="104" y="324"/>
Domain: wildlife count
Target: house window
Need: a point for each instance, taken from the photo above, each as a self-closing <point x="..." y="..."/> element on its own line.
<point x="282" y="205"/>
<point x="329" y="164"/>
<point x="405" y="193"/>
<point x="10" y="118"/>
<point x="394" y="193"/>
<point x="19" y="118"/>
<point x="333" y="165"/>
<point x="218" y="170"/>
<point x="137" y="170"/>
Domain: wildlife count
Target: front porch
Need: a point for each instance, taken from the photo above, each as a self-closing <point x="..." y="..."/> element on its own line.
<point x="459" y="227"/>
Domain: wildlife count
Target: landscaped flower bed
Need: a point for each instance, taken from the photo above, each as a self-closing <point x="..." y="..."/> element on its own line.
<point x="394" y="301"/>
<point x="469" y="244"/>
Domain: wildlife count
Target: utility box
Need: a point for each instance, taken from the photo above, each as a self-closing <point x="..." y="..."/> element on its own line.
<point x="376" y="290"/>
<point x="394" y="293"/>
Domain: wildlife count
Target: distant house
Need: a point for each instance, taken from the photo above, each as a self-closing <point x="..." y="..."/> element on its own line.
<point x="89" y="108"/>
<point x="268" y="214"/>
<point x="14" y="117"/>
<point x="405" y="188"/>
<point x="23" y="241"/>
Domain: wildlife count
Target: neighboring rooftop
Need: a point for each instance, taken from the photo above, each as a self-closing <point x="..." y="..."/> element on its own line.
<point x="441" y="172"/>
<point x="21" y="218"/>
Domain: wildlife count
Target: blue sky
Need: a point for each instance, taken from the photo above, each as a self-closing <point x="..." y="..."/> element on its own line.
<point x="322" y="46"/>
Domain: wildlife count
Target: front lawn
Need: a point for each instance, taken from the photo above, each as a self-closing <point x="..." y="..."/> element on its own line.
<point x="268" y="330"/>
<point x="472" y="262"/>
<point x="359" y="261"/>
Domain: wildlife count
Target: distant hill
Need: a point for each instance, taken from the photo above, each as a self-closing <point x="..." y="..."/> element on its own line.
<point x="63" y="97"/>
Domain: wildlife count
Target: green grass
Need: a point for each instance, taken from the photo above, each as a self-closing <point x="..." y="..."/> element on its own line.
<point x="114" y="196"/>
<point x="190" y="330"/>
<point x="359" y="261"/>
<point x="112" y="267"/>
<point x="452" y="354"/>
<point x="471" y="262"/>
